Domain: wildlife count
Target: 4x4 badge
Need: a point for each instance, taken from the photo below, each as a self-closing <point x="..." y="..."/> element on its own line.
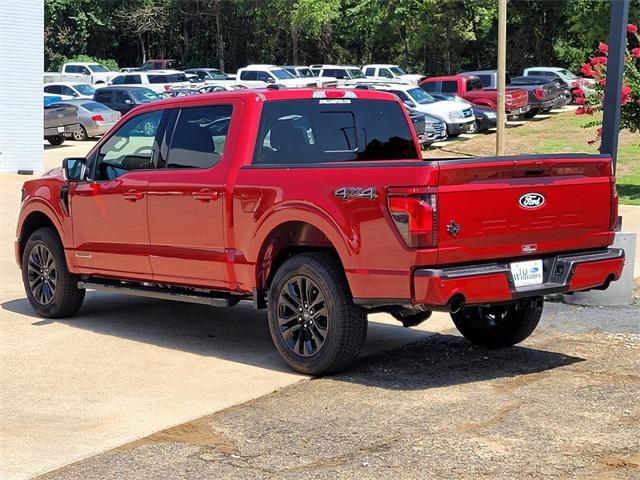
<point x="453" y="228"/>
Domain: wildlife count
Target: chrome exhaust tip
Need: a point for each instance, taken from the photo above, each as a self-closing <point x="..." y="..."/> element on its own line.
<point x="456" y="303"/>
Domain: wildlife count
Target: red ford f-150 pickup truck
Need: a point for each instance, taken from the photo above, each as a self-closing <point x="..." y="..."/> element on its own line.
<point x="317" y="205"/>
<point x="470" y="88"/>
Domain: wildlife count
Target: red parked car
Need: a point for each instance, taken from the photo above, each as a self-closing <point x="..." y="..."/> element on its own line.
<point x="470" y="88"/>
<point x="317" y="205"/>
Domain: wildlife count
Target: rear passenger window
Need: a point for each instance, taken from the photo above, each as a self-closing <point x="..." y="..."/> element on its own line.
<point x="319" y="130"/>
<point x="248" y="75"/>
<point x="199" y="137"/>
<point x="132" y="79"/>
<point x="449" y="87"/>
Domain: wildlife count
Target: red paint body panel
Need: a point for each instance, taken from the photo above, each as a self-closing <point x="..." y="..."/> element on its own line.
<point x="590" y="275"/>
<point x="228" y="241"/>
<point x="516" y="97"/>
<point x="480" y="289"/>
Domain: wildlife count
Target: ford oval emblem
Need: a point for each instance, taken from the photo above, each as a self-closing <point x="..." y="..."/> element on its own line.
<point x="531" y="200"/>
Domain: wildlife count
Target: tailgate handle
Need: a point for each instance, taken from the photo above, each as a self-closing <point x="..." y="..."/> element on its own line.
<point x="531" y="169"/>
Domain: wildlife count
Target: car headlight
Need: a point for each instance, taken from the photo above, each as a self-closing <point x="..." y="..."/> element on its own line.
<point x="457" y="114"/>
<point x="428" y="124"/>
<point x="490" y="115"/>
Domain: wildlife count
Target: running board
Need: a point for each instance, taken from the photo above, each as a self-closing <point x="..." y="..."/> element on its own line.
<point x="170" y="293"/>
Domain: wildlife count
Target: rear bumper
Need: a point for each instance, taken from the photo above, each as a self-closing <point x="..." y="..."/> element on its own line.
<point x="65" y="130"/>
<point x="519" y="110"/>
<point x="493" y="283"/>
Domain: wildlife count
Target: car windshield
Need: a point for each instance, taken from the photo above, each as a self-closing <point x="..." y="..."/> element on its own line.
<point x="144" y="95"/>
<point x="281" y="74"/>
<point x="96" y="67"/>
<point x="217" y="74"/>
<point x="94" y="107"/>
<point x="420" y="96"/>
<point x="397" y="71"/>
<point x="85" y="89"/>
<point x="356" y="73"/>
<point x="568" y="74"/>
<point x="305" y="72"/>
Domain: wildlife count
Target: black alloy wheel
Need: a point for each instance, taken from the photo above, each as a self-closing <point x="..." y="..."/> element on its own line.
<point x="303" y="316"/>
<point x="42" y="273"/>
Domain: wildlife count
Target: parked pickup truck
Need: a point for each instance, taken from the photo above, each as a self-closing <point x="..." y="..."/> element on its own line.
<point x="471" y="89"/>
<point x="543" y="95"/>
<point x="60" y="121"/>
<point x="316" y="205"/>
<point x="81" y="72"/>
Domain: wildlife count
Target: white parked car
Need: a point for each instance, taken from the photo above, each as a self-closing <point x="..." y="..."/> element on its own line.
<point x="346" y="75"/>
<point x="306" y="73"/>
<point x="81" y="72"/>
<point x="457" y="115"/>
<point x="563" y="74"/>
<point x="70" y="90"/>
<point x="385" y="71"/>
<point x="211" y="76"/>
<point x="259" y="76"/>
<point x="157" y="80"/>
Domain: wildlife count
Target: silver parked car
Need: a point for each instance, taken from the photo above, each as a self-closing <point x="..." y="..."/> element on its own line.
<point x="95" y="118"/>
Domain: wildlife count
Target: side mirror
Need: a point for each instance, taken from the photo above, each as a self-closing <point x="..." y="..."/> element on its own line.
<point x="270" y="80"/>
<point x="75" y="169"/>
<point x="408" y="104"/>
<point x="128" y="102"/>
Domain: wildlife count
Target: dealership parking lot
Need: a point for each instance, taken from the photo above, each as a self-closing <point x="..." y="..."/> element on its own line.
<point x="126" y="368"/>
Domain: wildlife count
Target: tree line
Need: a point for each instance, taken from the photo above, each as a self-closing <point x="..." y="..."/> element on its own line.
<point x="424" y="36"/>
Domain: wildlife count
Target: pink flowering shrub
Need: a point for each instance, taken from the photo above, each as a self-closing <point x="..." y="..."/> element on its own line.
<point x="596" y="69"/>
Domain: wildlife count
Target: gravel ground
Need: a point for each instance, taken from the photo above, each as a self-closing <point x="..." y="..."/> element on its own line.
<point x="564" y="404"/>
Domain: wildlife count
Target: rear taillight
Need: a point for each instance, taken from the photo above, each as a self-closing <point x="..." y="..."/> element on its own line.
<point x="97" y="118"/>
<point x="613" y="214"/>
<point x="539" y="93"/>
<point x="414" y="214"/>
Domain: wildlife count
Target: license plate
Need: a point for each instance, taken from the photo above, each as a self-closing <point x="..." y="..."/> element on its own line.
<point x="527" y="273"/>
<point x="60" y="129"/>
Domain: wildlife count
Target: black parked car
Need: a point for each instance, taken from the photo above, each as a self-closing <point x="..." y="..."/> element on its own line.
<point x="486" y="117"/>
<point x="124" y="99"/>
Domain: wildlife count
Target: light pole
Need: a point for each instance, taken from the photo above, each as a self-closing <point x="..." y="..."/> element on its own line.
<point x="502" y="74"/>
<point x="615" y="73"/>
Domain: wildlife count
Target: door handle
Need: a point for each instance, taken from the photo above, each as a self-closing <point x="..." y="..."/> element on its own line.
<point x="133" y="195"/>
<point x="205" y="195"/>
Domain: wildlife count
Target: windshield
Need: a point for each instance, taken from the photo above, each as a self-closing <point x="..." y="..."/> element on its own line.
<point x="397" y="71"/>
<point x="85" y="89"/>
<point x="218" y="74"/>
<point x="281" y="74"/>
<point x="356" y="73"/>
<point x="420" y="96"/>
<point x="96" y="67"/>
<point x="568" y="74"/>
<point x="305" y="72"/>
<point x="144" y="95"/>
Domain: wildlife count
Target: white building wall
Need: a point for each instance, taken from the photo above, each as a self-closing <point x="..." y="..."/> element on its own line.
<point x="21" y="78"/>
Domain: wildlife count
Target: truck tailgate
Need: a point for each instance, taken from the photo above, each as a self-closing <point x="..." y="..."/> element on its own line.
<point x="512" y="207"/>
<point x="60" y="115"/>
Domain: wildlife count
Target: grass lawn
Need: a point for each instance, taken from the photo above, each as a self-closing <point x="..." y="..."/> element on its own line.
<point x="560" y="132"/>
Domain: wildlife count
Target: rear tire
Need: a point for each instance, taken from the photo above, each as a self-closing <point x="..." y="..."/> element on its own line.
<point x="51" y="289"/>
<point x="313" y="321"/>
<point x="56" y="140"/>
<point x="499" y="326"/>
<point x="80" y="134"/>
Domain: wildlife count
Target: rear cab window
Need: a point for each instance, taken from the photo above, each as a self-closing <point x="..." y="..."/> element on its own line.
<point x="332" y="130"/>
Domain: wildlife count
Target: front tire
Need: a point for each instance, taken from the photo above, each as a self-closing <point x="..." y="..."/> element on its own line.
<point x="498" y="326"/>
<point x="474" y="127"/>
<point x="51" y="289"/>
<point x="532" y="113"/>
<point x="313" y="321"/>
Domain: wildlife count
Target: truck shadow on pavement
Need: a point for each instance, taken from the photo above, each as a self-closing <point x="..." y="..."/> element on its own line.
<point x="394" y="357"/>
